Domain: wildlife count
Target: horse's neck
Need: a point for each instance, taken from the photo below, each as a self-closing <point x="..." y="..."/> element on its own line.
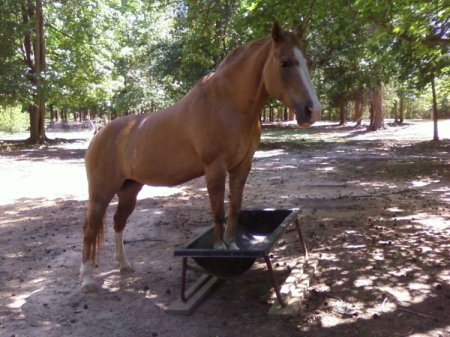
<point x="242" y="80"/>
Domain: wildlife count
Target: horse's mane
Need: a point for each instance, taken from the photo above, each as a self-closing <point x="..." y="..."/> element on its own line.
<point x="241" y="51"/>
<point x="235" y="55"/>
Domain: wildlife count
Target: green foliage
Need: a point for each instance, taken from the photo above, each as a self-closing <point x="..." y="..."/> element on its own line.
<point x="136" y="55"/>
<point x="14" y="86"/>
<point x="203" y="33"/>
<point x="418" y="36"/>
<point x="78" y="66"/>
<point x="13" y="119"/>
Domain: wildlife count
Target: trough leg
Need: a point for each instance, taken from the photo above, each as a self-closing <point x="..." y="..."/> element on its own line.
<point x="274" y="280"/>
<point x="183" y="280"/>
<point x="300" y="237"/>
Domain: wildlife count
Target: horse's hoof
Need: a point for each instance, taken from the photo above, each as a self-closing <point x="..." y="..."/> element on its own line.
<point x="232" y="246"/>
<point x="89" y="287"/>
<point x="128" y="269"/>
<point x="125" y="267"/>
<point x="220" y="245"/>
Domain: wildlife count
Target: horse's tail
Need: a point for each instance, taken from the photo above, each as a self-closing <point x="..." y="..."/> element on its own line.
<point x="93" y="238"/>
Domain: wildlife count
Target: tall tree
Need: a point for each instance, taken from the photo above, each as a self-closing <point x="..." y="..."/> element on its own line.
<point x="435" y="111"/>
<point x="34" y="14"/>
<point x="135" y="55"/>
<point x="24" y="61"/>
<point x="418" y="32"/>
<point x="14" y="86"/>
<point x="80" y="53"/>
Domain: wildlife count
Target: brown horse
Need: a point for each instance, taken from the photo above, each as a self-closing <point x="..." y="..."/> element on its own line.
<point x="212" y="131"/>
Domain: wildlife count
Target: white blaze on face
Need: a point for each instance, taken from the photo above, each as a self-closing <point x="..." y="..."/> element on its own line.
<point x="303" y="72"/>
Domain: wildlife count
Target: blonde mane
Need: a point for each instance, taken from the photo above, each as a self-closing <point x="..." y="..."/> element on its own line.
<point x="241" y="51"/>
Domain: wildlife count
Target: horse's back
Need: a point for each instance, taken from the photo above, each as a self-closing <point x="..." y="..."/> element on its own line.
<point x="153" y="149"/>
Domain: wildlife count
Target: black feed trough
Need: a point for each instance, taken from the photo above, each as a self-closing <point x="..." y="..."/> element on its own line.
<point x="257" y="231"/>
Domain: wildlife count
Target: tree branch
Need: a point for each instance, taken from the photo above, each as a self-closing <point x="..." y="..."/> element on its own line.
<point x="430" y="40"/>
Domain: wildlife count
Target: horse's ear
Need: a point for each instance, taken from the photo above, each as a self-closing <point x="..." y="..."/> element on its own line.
<point x="276" y="32"/>
<point x="299" y="32"/>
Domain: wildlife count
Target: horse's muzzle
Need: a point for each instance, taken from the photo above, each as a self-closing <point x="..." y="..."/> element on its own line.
<point x="306" y="115"/>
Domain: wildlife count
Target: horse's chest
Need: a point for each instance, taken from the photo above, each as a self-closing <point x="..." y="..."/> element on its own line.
<point x="245" y="147"/>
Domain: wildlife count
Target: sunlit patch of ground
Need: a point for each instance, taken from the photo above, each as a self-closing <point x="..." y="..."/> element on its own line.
<point x="375" y="209"/>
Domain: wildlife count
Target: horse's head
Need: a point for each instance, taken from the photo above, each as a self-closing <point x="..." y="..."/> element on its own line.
<point x="286" y="77"/>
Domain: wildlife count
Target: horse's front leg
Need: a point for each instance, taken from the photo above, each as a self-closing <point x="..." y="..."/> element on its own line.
<point x="237" y="179"/>
<point x="215" y="182"/>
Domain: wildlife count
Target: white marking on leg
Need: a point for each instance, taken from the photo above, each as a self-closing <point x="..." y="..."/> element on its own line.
<point x="220" y="245"/>
<point x="230" y="241"/>
<point x="232" y="246"/>
<point x="88" y="283"/>
<point x="119" y="256"/>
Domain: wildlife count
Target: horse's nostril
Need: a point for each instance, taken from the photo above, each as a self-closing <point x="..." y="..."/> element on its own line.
<point x="308" y="112"/>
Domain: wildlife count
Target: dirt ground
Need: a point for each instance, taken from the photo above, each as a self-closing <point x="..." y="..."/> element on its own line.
<point x="375" y="211"/>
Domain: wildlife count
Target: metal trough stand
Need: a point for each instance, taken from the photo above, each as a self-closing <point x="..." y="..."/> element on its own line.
<point x="257" y="232"/>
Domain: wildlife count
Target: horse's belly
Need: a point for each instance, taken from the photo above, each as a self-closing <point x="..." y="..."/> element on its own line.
<point x="164" y="179"/>
<point x="166" y="170"/>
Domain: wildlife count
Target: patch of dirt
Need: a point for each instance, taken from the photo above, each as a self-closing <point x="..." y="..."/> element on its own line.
<point x="375" y="211"/>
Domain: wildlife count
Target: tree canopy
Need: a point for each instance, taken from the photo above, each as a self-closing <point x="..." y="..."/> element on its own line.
<point x="132" y="56"/>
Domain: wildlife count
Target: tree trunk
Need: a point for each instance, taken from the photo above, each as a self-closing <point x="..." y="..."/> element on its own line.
<point x="435" y="112"/>
<point x="40" y="72"/>
<point x="358" y="112"/>
<point x="34" y="57"/>
<point x="395" y="112"/>
<point x="34" y="122"/>
<point x="343" y="112"/>
<point x="377" y="110"/>
<point x="401" y="117"/>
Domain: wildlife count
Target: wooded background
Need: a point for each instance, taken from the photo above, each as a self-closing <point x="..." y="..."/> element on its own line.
<point x="82" y="59"/>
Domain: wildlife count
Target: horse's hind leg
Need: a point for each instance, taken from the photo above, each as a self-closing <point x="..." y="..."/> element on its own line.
<point x="127" y="202"/>
<point x="92" y="234"/>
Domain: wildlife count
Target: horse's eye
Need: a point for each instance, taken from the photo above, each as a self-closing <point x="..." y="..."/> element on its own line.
<point x="284" y="64"/>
